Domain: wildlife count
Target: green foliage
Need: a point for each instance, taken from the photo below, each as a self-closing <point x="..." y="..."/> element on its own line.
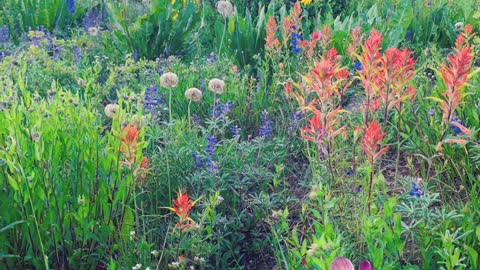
<point x="160" y="28"/>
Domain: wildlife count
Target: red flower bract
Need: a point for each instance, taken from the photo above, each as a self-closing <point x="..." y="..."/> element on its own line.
<point x="371" y="142"/>
<point x="182" y="206"/>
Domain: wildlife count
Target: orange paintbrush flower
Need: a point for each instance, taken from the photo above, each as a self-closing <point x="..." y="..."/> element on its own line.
<point x="455" y="76"/>
<point x="371" y="142"/>
<point x="316" y="130"/>
<point x="271" y="42"/>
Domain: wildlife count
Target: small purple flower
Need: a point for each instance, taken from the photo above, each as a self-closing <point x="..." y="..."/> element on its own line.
<point x="454" y="128"/>
<point x="93" y="18"/>
<point x="4" y="54"/>
<point x="408" y="36"/>
<point x="266" y="129"/>
<point x="358" y="65"/>
<point x="350" y="172"/>
<point x="71" y="6"/>
<point x="236" y="131"/>
<point x="221" y="110"/>
<point x="294" y="122"/>
<point x="211" y="145"/>
<point x="151" y="98"/>
<point x="212" y="166"/>
<point x="135" y="55"/>
<point x="198" y="160"/>
<point x="202" y="85"/>
<point x="4" y="34"/>
<point x="211" y="58"/>
<point x="196" y="119"/>
<point x="77" y="54"/>
<point x="415" y="191"/>
<point x="431" y="112"/>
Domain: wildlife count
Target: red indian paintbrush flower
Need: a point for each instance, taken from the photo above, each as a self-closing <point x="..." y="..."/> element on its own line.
<point x="271" y="42"/>
<point x="455" y="75"/>
<point x="182" y="206"/>
<point x="129" y="137"/>
<point x="316" y="130"/>
<point x="371" y="142"/>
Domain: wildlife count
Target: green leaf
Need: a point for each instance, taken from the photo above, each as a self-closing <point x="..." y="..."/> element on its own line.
<point x="11" y="225"/>
<point x="473" y="256"/>
<point x="127" y="225"/>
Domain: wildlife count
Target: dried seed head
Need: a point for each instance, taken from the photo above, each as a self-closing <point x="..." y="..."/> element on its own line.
<point x="225" y="8"/>
<point x="169" y="80"/>
<point x="111" y="109"/>
<point x="193" y="94"/>
<point x="216" y="85"/>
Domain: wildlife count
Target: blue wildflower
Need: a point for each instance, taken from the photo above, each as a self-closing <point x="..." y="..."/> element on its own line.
<point x="93" y="18"/>
<point x="198" y="160"/>
<point x="415" y="191"/>
<point x="202" y="85"/>
<point x="350" y="172"/>
<point x="211" y="145"/>
<point x="77" y="54"/>
<point x="71" y="6"/>
<point x="294" y="122"/>
<point x="408" y="36"/>
<point x="454" y="128"/>
<point x="4" y="34"/>
<point x="4" y="54"/>
<point x="196" y="119"/>
<point x="431" y="112"/>
<point x="294" y="40"/>
<point x="358" y="65"/>
<point x="211" y="58"/>
<point x="236" y="131"/>
<point x="221" y="110"/>
<point x="266" y="129"/>
<point x="151" y="98"/>
<point x="357" y="189"/>
<point x="212" y="166"/>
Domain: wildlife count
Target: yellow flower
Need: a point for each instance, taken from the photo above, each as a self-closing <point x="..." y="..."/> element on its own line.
<point x="175" y="15"/>
<point x="306" y="2"/>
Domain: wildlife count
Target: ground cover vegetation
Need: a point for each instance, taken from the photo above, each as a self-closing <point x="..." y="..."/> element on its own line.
<point x="205" y="134"/>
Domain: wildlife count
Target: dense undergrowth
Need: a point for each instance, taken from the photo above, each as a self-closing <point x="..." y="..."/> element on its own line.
<point x="196" y="134"/>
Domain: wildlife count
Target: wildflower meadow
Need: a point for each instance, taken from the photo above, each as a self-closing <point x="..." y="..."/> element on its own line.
<point x="238" y="134"/>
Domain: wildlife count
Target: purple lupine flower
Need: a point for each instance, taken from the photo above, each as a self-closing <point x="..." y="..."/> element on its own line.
<point x="266" y="130"/>
<point x="196" y="119"/>
<point x="221" y="110"/>
<point x="408" y="36"/>
<point x="161" y="100"/>
<point x="202" y="85"/>
<point x="211" y="146"/>
<point x="294" y="122"/>
<point x="4" y="54"/>
<point x="211" y="58"/>
<point x="151" y="98"/>
<point x="294" y="40"/>
<point x="93" y="18"/>
<point x="454" y="128"/>
<point x="415" y="191"/>
<point x="212" y="166"/>
<point x="135" y="55"/>
<point x="77" y="54"/>
<point x="71" y="6"/>
<point x="159" y="67"/>
<point x="358" y="65"/>
<point x="236" y="131"/>
<point x="198" y="160"/>
<point x="57" y="50"/>
<point x="4" y="34"/>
